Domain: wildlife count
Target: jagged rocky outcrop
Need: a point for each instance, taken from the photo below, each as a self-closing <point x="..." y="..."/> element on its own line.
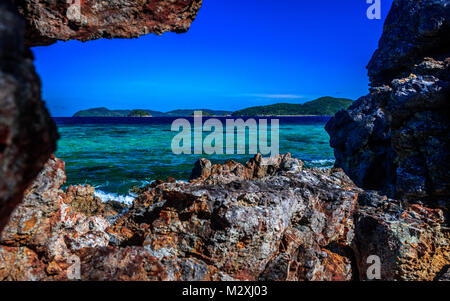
<point x="27" y="133"/>
<point x="49" y="20"/>
<point x="263" y="220"/>
<point x="237" y="222"/>
<point x="396" y="139"/>
<point x="49" y="229"/>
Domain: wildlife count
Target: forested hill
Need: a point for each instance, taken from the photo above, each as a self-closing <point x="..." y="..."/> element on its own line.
<point x="324" y="106"/>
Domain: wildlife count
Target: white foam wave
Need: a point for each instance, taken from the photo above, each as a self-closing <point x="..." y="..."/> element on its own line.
<point x="108" y="196"/>
<point x="323" y="161"/>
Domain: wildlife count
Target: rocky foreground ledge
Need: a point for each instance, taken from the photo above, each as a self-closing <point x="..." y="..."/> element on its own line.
<point x="230" y="222"/>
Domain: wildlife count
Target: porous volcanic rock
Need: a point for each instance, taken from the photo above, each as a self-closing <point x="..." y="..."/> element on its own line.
<point x="46" y="225"/>
<point x="52" y="229"/>
<point x="413" y="30"/>
<point x="396" y="139"/>
<point x="27" y="133"/>
<point x="238" y="218"/>
<point x="20" y="264"/>
<point x="409" y="239"/>
<point x="48" y="20"/>
<point x="255" y="168"/>
<point x="284" y="224"/>
<point x="82" y="199"/>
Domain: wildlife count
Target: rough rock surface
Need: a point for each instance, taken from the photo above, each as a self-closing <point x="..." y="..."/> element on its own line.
<point x="20" y="264"/>
<point x="413" y="30"/>
<point x="253" y="221"/>
<point x="49" y="20"/>
<point x="46" y="225"/>
<point x="410" y="240"/>
<point x="396" y="139"/>
<point x="237" y="225"/>
<point x="83" y="200"/>
<point x="27" y="133"/>
<point x="234" y="229"/>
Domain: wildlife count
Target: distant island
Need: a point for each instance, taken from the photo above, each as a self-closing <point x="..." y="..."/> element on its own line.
<point x="324" y="106"/>
<point x="104" y="112"/>
<point x="139" y="113"/>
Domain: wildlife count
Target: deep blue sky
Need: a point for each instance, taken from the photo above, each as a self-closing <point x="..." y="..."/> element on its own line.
<point x="238" y="53"/>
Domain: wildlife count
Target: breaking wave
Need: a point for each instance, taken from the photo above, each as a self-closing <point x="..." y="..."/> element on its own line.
<point x="107" y="196"/>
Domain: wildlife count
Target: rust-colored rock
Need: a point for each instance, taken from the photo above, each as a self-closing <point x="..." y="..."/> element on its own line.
<point x="20" y="264"/>
<point x="409" y="239"/>
<point x="255" y="168"/>
<point x="48" y="20"/>
<point x="46" y="224"/>
<point x="236" y="218"/>
<point x="286" y="223"/>
<point x="82" y="199"/>
<point x="33" y="221"/>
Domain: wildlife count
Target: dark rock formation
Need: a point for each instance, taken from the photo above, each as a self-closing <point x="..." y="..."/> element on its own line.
<point x="49" y="20"/>
<point x="444" y="274"/>
<point x="413" y="30"/>
<point x="396" y="139"/>
<point x="285" y="223"/>
<point x="27" y="134"/>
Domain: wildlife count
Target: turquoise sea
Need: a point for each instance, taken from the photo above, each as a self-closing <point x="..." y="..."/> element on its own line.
<point x="114" y="154"/>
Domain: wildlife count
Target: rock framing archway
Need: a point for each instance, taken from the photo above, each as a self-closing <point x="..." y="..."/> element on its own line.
<point x="28" y="135"/>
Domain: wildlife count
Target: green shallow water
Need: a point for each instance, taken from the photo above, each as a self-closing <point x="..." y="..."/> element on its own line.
<point x="114" y="154"/>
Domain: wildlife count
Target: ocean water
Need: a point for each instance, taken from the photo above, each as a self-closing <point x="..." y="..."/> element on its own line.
<point x="114" y="154"/>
